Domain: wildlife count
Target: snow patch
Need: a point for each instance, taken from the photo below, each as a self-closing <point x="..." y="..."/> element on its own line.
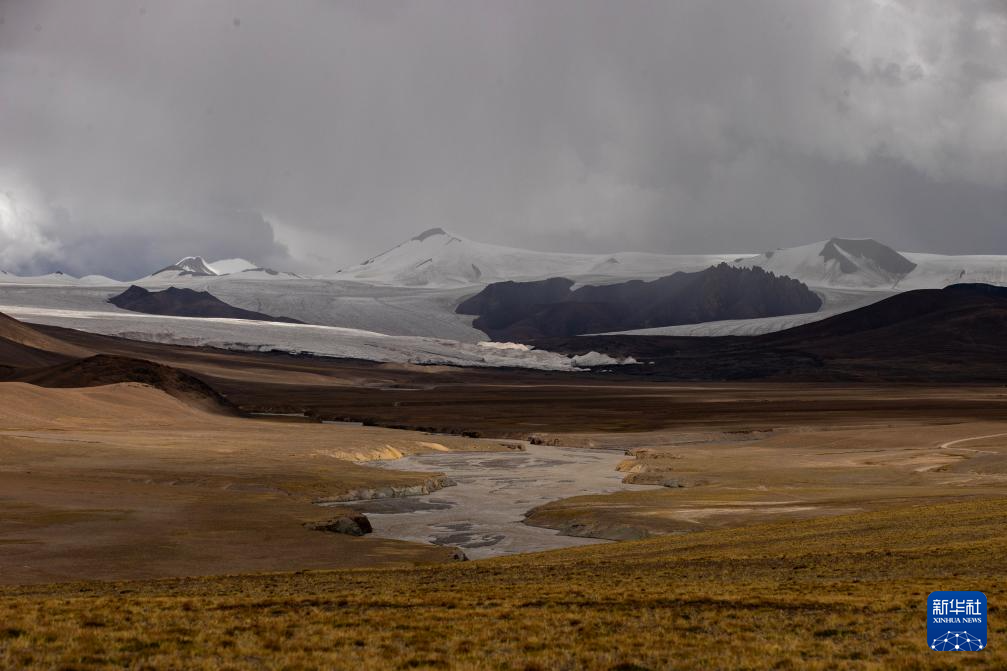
<point x="229" y="266"/>
<point x="593" y="358"/>
<point x="504" y="345"/>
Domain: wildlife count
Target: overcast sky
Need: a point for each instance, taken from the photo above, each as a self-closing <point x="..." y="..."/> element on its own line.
<point x="310" y="135"/>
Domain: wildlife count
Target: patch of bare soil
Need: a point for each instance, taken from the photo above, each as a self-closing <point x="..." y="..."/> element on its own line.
<point x="124" y="481"/>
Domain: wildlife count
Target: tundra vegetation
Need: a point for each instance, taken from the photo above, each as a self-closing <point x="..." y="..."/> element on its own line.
<point x="827" y="593"/>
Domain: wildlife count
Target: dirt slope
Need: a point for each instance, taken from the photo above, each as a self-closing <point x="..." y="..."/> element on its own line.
<point x="21" y="346"/>
<point x="104" y="369"/>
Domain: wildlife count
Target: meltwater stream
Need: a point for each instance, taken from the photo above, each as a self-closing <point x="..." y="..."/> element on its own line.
<point x="483" y="513"/>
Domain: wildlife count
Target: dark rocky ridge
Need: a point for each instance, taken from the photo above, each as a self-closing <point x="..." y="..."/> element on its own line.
<point x="186" y="303"/>
<point x="23" y="346"/>
<point x="928" y="335"/>
<point x="524" y="311"/>
<point x="103" y="369"/>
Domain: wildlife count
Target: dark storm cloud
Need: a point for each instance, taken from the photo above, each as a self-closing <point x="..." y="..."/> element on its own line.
<point x="312" y="134"/>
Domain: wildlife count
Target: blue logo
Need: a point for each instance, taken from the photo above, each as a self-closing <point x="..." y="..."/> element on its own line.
<point x="956" y="621"/>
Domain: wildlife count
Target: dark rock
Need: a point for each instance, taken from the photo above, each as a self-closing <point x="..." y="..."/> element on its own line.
<point x="351" y="525"/>
<point x="953" y="334"/>
<point x="103" y="369"/>
<point x="431" y="484"/>
<point x="185" y="303"/>
<point x="521" y="311"/>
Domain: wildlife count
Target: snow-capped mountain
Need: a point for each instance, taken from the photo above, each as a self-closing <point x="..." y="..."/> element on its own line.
<point x="196" y="268"/>
<point x="437" y="258"/>
<point x="838" y="262"/>
<point x="869" y="264"/>
<point x="190" y="266"/>
<point x="415" y="288"/>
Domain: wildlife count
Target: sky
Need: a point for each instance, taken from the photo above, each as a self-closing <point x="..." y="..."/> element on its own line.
<point x="308" y="136"/>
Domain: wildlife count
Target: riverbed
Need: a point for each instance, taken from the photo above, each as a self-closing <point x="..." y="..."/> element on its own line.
<point x="483" y="514"/>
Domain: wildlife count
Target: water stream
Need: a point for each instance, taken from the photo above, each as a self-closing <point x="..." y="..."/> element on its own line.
<point x="483" y="513"/>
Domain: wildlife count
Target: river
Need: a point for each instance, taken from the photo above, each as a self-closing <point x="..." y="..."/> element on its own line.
<point x="483" y="513"/>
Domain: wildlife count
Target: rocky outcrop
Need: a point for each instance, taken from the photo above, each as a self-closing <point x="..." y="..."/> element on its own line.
<point x="431" y="484"/>
<point x="651" y="467"/>
<point x="523" y="311"/>
<point x="186" y="303"/>
<point x="351" y="525"/>
<point x="656" y="479"/>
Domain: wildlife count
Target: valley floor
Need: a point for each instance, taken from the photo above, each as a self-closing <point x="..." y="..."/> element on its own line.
<point x="832" y="593"/>
<point x="792" y="525"/>
<point x="713" y="481"/>
<point x="124" y="481"/>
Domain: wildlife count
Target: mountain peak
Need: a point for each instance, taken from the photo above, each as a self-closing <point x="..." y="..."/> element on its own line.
<point x="190" y="265"/>
<point x="431" y="233"/>
<point x="845" y="262"/>
<point x="439" y="258"/>
<point x="853" y="254"/>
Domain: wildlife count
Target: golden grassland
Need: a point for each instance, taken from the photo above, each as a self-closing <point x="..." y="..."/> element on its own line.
<point x="813" y="545"/>
<point x="827" y="593"/>
<point x="796" y="472"/>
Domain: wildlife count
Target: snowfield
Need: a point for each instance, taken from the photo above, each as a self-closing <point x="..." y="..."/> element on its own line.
<point x="436" y="258"/>
<point x="229" y="266"/>
<point x="382" y="309"/>
<point x="329" y="341"/>
<point x="935" y="270"/>
<point x="834" y="302"/>
<point x="869" y="265"/>
<point x="52" y="279"/>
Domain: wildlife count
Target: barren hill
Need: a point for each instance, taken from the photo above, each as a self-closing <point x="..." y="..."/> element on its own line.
<point x="927" y="335"/>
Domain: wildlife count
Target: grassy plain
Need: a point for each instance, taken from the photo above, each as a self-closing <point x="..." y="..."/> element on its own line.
<point x="718" y="480"/>
<point x="845" y="592"/>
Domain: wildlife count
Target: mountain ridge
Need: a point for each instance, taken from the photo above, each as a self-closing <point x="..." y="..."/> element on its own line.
<point x="526" y="310"/>
<point x="195" y="266"/>
<point x="952" y="334"/>
<point x="182" y="302"/>
<point x="439" y="258"/>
